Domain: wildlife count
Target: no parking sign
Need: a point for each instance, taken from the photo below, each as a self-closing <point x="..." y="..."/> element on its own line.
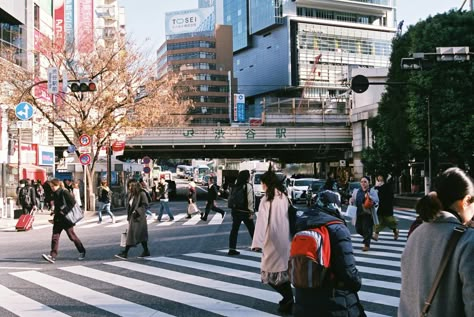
<point x="85" y="159"/>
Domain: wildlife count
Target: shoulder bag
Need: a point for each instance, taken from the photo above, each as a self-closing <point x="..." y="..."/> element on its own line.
<point x="453" y="240"/>
<point x="75" y="214"/>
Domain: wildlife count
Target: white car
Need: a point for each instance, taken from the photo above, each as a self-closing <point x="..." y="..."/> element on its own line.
<point x="297" y="188"/>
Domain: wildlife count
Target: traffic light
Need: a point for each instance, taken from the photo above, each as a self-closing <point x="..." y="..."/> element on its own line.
<point x="84" y="85"/>
<point x="410" y="63"/>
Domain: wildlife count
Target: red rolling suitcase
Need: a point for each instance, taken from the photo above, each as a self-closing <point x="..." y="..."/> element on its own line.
<point x="25" y="222"/>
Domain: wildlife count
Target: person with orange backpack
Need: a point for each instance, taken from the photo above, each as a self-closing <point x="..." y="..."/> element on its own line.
<point x="322" y="267"/>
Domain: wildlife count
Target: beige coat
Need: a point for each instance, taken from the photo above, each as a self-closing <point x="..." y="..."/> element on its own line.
<point x="274" y="242"/>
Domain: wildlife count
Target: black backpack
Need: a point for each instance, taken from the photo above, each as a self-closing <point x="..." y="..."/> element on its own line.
<point x="238" y="198"/>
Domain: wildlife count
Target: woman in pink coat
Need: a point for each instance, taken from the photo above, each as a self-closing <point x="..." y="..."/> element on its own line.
<point x="272" y="236"/>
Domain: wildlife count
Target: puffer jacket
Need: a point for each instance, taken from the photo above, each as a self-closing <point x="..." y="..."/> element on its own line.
<point x="338" y="298"/>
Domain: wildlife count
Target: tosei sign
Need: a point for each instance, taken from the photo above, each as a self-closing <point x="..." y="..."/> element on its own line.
<point x="189" y="21"/>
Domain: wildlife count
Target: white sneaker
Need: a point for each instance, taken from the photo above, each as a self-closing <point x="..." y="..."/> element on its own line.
<point x="49" y="258"/>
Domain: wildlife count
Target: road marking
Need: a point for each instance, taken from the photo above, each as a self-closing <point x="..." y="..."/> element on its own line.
<point x="25" y="307"/>
<point x="208" y="268"/>
<point x="198" y="301"/>
<point x="407" y="213"/>
<point x="269" y="296"/>
<point x="382" y="240"/>
<point x="216" y="220"/>
<point x="225" y="259"/>
<point x="379" y="247"/>
<point x="169" y="223"/>
<point x="194" y="220"/>
<point x="88" y="296"/>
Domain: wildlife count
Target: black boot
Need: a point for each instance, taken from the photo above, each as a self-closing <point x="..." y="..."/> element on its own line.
<point x="285" y="306"/>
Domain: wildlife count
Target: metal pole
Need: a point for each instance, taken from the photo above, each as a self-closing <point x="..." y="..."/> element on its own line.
<point x="19" y="155"/>
<point x="229" y="75"/>
<point x="109" y="163"/>
<point x="429" y="146"/>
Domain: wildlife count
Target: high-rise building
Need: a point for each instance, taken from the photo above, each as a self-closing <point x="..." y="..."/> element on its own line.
<point x="307" y="48"/>
<point x="205" y="62"/>
<point x="201" y="51"/>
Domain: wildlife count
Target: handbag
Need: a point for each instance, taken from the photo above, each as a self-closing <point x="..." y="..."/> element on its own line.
<point x="453" y="240"/>
<point x="351" y="211"/>
<point x="192" y="209"/>
<point x="368" y="202"/>
<point x="75" y="214"/>
<point x="123" y="239"/>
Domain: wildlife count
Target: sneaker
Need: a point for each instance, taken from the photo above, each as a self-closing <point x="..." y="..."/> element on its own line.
<point x="375" y="237"/>
<point x="233" y="252"/>
<point x="204" y="218"/>
<point x="99" y="222"/>
<point x="113" y="220"/>
<point x="121" y="255"/>
<point x="365" y="248"/>
<point x="171" y="219"/>
<point x="82" y="256"/>
<point x="144" y="254"/>
<point x="49" y="258"/>
<point x="188" y="217"/>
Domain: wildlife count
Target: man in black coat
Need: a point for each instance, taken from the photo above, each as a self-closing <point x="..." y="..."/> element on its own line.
<point x="338" y="295"/>
<point x="385" y="210"/>
<point x="212" y="193"/>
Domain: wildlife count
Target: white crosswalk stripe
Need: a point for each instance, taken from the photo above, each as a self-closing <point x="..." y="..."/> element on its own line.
<point x="204" y="282"/>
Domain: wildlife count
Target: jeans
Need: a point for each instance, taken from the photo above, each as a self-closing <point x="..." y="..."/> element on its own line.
<point x="58" y="227"/>
<point x="164" y="204"/>
<point x="105" y="207"/>
<point x="237" y="218"/>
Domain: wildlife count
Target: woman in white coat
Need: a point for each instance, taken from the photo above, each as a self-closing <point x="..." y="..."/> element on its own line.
<point x="272" y="236"/>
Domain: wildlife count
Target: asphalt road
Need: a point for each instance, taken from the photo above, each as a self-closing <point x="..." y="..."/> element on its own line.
<point x="188" y="274"/>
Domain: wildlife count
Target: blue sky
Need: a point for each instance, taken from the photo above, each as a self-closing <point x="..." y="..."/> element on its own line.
<point x="145" y="18"/>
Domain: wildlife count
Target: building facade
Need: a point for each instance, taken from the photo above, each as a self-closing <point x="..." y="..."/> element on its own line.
<point x="205" y="62"/>
<point x="307" y="49"/>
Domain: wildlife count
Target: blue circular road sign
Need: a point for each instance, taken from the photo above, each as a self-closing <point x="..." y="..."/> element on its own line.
<point x="85" y="159"/>
<point x="24" y="111"/>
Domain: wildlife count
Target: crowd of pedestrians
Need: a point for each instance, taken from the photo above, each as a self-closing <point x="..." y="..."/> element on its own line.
<point x="448" y="209"/>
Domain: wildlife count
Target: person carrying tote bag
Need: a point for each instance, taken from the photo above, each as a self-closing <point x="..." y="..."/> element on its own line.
<point x="64" y="202"/>
<point x="137" y="232"/>
<point x="365" y="199"/>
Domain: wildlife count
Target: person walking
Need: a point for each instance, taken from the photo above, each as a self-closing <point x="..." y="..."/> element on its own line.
<point x="337" y="295"/>
<point x="212" y="193"/>
<point x="192" y="199"/>
<point x="147" y="193"/>
<point x="245" y="214"/>
<point x="425" y="250"/>
<point x="105" y="198"/>
<point x="272" y="237"/>
<point x="77" y="193"/>
<point x="164" y="200"/>
<point x="48" y="196"/>
<point x="39" y="190"/>
<point x="365" y="213"/>
<point x="63" y="203"/>
<point x="385" y="210"/>
<point x="137" y="232"/>
<point x="26" y="196"/>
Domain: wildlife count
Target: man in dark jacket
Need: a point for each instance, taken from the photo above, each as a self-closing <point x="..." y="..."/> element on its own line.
<point x="385" y="210"/>
<point x="212" y="194"/>
<point x="338" y="296"/>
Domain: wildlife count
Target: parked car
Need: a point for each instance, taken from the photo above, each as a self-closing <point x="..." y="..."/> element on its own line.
<point x="346" y="193"/>
<point x="297" y="188"/>
<point x="312" y="191"/>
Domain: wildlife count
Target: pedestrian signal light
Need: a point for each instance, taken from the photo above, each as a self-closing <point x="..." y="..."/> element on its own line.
<point x="83" y="86"/>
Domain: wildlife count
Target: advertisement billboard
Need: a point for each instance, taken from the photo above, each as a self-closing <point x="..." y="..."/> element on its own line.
<point x="239" y="107"/>
<point x="189" y="21"/>
<point x="59" y="24"/>
<point x="69" y="24"/>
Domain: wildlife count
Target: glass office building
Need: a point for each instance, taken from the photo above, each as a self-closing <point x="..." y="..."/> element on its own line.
<point x="307" y="48"/>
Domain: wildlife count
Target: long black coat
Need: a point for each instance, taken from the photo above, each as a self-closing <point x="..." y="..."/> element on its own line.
<point x="137" y="225"/>
<point x="341" y="300"/>
<point x="385" y="193"/>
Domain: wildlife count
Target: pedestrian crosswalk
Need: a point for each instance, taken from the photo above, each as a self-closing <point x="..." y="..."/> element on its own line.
<point x="192" y="284"/>
<point x="179" y="220"/>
